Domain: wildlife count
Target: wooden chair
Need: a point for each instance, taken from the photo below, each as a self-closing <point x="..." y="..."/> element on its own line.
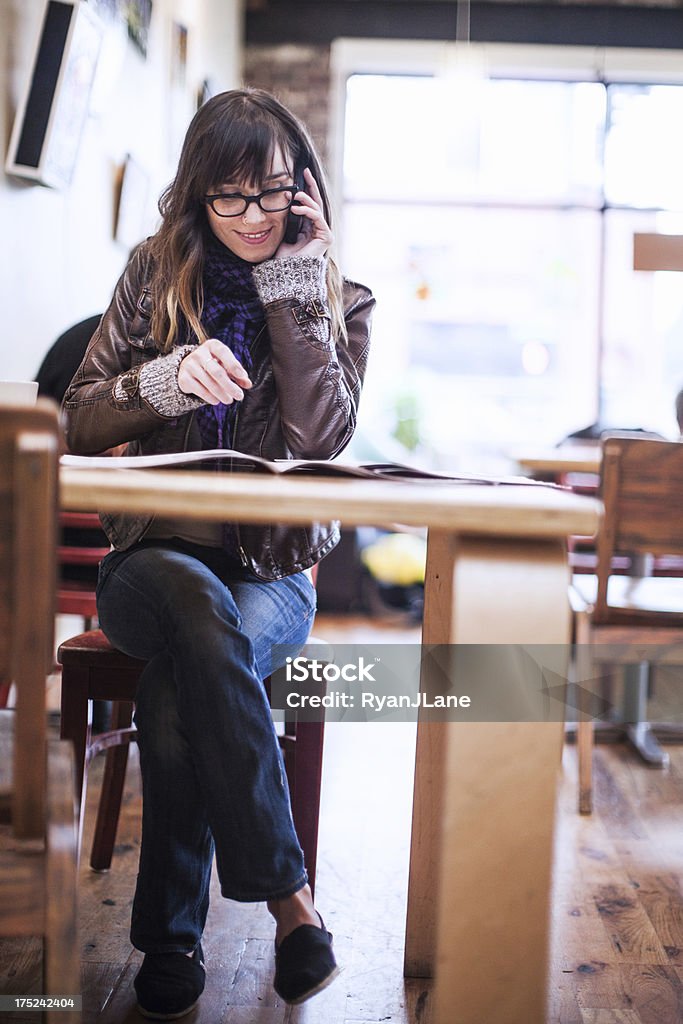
<point x="631" y="619"/>
<point x="82" y="546"/>
<point x="94" y="670"/>
<point x="38" y="854"/>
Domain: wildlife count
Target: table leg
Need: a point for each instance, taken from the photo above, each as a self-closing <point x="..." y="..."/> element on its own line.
<point x="491" y="787"/>
<point x="429" y="766"/>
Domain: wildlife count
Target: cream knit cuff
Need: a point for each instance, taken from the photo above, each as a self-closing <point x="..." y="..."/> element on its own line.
<point x="294" y="277"/>
<point x="159" y="384"/>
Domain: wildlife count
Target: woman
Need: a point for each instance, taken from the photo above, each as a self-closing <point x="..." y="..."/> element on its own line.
<point x="221" y="333"/>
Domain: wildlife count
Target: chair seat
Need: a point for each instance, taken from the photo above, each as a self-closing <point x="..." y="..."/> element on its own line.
<point x="93" y="648"/>
<point x="634" y="598"/>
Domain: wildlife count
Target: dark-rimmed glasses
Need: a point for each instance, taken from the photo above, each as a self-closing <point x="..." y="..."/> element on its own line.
<point x="233" y="204"/>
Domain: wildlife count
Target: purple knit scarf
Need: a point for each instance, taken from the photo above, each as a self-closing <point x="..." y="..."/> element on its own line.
<point x="234" y="314"/>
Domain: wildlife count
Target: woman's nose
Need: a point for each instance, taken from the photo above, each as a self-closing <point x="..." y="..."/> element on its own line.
<point x="253" y="214"/>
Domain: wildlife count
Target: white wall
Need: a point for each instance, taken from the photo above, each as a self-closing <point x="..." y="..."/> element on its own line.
<point x="58" y="259"/>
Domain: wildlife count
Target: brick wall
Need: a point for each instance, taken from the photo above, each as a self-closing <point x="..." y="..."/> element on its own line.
<point x="300" y="77"/>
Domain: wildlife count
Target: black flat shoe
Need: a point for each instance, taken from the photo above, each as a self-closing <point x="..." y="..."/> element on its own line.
<point x="168" y="985"/>
<point x="304" y="963"/>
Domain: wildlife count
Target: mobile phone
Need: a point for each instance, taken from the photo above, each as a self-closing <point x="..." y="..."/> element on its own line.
<point x="294" y="222"/>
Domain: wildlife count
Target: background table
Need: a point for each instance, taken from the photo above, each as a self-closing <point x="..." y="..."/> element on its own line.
<point x="555" y="462"/>
<point x="483" y="812"/>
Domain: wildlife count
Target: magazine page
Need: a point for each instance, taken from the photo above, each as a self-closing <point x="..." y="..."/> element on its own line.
<point x="229" y="459"/>
<point x="169" y="460"/>
<point x="226" y="459"/>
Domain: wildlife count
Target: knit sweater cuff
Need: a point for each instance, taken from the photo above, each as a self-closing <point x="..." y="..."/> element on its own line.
<point x="159" y="384"/>
<point x="294" y="277"/>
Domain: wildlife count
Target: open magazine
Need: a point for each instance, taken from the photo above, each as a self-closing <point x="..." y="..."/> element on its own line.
<point x="227" y="460"/>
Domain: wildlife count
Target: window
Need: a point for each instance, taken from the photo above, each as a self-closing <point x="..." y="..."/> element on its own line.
<point x="493" y="218"/>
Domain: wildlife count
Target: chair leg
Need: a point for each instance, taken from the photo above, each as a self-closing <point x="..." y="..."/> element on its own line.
<point x="306" y="781"/>
<point x="76" y="716"/>
<point x="111" y="796"/>
<point x="585" y="728"/>
<point x="584" y="739"/>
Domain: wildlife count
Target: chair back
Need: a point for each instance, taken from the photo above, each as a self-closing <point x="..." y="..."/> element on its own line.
<point x="642" y="491"/>
<point x="82" y="546"/>
<point x="28" y="500"/>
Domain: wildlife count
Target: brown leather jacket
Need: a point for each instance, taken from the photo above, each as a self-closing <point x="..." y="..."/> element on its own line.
<point x="302" y="404"/>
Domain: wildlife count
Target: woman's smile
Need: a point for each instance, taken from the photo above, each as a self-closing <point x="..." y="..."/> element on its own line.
<point x="251" y="242"/>
<point x="254" y="237"/>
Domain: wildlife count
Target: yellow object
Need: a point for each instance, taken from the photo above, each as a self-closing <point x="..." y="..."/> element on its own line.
<point x="397" y="559"/>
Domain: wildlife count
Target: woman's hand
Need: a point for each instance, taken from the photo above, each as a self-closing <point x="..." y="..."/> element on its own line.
<point x="315" y="237"/>
<point x="212" y="373"/>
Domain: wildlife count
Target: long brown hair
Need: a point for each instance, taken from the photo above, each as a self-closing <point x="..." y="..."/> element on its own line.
<point x="231" y="137"/>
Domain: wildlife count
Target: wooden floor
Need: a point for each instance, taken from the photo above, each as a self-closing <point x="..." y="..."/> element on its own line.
<point x="617" y="913"/>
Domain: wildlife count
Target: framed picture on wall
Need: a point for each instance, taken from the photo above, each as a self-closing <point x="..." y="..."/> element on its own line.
<point x="50" y="120"/>
<point x="178" y="54"/>
<point x="135" y="15"/>
<point x="131" y="203"/>
<point x="139" y="15"/>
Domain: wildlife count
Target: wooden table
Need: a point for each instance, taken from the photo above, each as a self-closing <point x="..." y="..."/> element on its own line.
<point x="483" y="813"/>
<point x="545" y="463"/>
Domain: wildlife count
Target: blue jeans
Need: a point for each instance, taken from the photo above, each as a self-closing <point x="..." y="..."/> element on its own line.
<point x="212" y="771"/>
